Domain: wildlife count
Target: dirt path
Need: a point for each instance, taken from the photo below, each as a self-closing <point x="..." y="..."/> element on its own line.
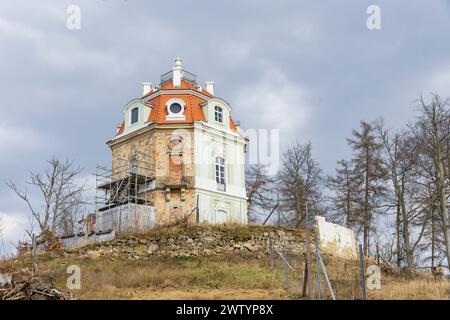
<point x="191" y="294"/>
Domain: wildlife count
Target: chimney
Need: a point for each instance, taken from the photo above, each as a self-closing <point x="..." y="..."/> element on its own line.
<point x="176" y="75"/>
<point x="146" y="88"/>
<point x="210" y="87"/>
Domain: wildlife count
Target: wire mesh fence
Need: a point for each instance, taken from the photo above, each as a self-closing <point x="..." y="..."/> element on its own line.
<point x="334" y="278"/>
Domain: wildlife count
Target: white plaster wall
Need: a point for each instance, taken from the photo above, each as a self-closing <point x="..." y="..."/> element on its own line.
<point x="209" y="143"/>
<point x="336" y="240"/>
<point x="211" y="202"/>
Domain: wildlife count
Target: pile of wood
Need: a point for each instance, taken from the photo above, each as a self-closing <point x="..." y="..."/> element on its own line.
<point x="32" y="289"/>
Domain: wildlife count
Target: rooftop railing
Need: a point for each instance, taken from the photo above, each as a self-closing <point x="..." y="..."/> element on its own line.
<point x="186" y="75"/>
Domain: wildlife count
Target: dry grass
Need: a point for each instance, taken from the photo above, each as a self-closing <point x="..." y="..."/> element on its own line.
<point x="419" y="288"/>
<point x="234" y="230"/>
<point x="173" y="278"/>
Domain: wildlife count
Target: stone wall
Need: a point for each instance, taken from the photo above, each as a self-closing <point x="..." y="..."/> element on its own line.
<point x="173" y="184"/>
<point x="201" y="241"/>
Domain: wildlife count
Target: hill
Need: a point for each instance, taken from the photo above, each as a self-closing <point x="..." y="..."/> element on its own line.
<point x="211" y="262"/>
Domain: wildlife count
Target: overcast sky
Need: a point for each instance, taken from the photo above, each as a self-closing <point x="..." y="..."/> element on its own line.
<point x="309" y="68"/>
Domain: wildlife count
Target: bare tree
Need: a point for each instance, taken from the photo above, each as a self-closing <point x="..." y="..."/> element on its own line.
<point x="60" y="195"/>
<point x="400" y="159"/>
<point x="299" y="182"/>
<point x="370" y="175"/>
<point x="259" y="187"/>
<point x="344" y="194"/>
<point x="432" y="132"/>
<point x="2" y="245"/>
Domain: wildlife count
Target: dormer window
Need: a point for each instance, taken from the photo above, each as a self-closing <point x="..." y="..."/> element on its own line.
<point x="134" y="115"/>
<point x="175" y="109"/>
<point x="218" y="114"/>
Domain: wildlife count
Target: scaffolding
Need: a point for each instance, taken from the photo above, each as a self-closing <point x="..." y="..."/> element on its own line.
<point x="122" y="201"/>
<point x="127" y="182"/>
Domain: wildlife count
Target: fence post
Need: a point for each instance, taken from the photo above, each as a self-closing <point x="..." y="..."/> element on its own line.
<point x="307" y="260"/>
<point x="361" y="267"/>
<point x="325" y="273"/>
<point x="33" y="255"/>
<point x="319" y="293"/>
<point x="286" y="271"/>
<point x="270" y="251"/>
<point x="197" y="212"/>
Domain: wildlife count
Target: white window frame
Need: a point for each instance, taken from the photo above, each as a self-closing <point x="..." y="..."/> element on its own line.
<point x="218" y="114"/>
<point x="175" y="116"/>
<point x="220" y="173"/>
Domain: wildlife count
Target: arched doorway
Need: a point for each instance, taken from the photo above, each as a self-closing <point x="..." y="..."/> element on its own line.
<point x="221" y="216"/>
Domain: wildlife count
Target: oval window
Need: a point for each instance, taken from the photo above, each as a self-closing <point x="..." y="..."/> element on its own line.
<point x="175" y="108"/>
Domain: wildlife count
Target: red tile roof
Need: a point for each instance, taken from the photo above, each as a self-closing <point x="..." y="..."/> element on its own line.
<point x="192" y="111"/>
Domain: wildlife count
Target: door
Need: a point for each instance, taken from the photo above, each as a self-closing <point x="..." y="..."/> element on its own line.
<point x="221" y="216"/>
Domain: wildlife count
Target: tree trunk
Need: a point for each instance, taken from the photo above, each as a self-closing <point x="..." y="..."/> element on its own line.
<point x="406" y="235"/>
<point x="366" y="209"/>
<point x="443" y="204"/>
<point x="433" y="235"/>
<point x="398" y="228"/>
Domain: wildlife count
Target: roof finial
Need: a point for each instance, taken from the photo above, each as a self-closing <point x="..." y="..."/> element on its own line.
<point x="178" y="62"/>
<point x="177" y="73"/>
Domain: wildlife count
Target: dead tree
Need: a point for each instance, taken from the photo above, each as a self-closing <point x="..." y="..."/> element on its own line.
<point x="60" y="195"/>
<point x="1" y="238"/>
<point x="432" y="132"/>
<point x="401" y="159"/>
<point x="259" y="187"/>
<point x="299" y="182"/>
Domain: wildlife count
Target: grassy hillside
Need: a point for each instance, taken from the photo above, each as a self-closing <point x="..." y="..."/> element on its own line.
<point x="228" y="276"/>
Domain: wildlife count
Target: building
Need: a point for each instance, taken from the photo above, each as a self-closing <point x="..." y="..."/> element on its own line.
<point x="177" y="156"/>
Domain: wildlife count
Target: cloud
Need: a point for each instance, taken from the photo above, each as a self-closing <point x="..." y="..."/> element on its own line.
<point x="15" y="140"/>
<point x="274" y="102"/>
<point x="439" y="82"/>
<point x="311" y="69"/>
<point x="13" y="226"/>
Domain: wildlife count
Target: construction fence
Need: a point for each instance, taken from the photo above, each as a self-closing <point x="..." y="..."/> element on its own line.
<point x="329" y="277"/>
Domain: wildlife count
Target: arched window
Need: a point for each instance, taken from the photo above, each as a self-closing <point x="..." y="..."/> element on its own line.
<point x="220" y="173"/>
<point x="134" y="115"/>
<point x="133" y="166"/>
<point x="218" y="114"/>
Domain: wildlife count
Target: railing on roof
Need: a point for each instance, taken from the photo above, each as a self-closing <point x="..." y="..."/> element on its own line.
<point x="186" y="75"/>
